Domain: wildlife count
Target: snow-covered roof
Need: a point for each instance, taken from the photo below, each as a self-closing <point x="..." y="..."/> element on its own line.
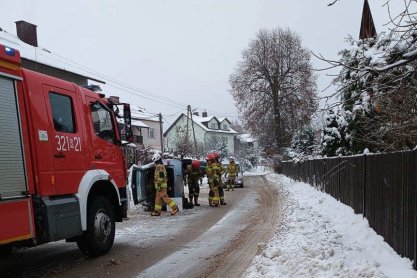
<point x="142" y="114"/>
<point x="246" y="138"/>
<point x="139" y="123"/>
<point x="200" y="122"/>
<point x="204" y="119"/>
<point x="224" y="119"/>
<point x="42" y="55"/>
<point x="134" y="122"/>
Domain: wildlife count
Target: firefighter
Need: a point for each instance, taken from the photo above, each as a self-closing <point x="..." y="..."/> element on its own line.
<point x="213" y="180"/>
<point x="193" y="174"/>
<point x="231" y="173"/>
<point x="220" y="172"/>
<point x="160" y="179"/>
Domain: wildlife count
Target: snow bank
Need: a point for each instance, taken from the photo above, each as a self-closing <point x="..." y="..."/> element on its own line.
<point x="321" y="237"/>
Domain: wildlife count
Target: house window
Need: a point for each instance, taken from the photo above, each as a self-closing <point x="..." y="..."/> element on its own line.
<point x="62" y="113"/>
<point x="213" y="126"/>
<point x="151" y="133"/>
<point x="225" y="127"/>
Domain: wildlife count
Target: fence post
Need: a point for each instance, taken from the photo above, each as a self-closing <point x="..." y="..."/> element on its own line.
<point x="339" y="168"/>
<point x="364" y="186"/>
<point x="415" y="215"/>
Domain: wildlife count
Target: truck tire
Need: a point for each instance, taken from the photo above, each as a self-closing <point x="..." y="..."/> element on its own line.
<point x="5" y="250"/>
<point x="99" y="237"/>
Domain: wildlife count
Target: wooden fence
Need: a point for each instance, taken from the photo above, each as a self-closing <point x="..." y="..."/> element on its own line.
<point x="382" y="187"/>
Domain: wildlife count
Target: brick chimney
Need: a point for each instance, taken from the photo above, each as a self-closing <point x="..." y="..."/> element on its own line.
<point x="26" y="32"/>
<point x="204" y="114"/>
<point x="195" y="113"/>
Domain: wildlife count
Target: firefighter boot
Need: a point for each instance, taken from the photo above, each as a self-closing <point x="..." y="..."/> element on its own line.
<point x="195" y="201"/>
<point x="156" y="213"/>
<point x="175" y="209"/>
<point x="191" y="199"/>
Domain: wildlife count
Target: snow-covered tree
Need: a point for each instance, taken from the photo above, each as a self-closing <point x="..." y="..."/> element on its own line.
<point x="304" y="145"/>
<point x="337" y="133"/>
<point x="182" y="144"/>
<point x="246" y="152"/>
<point x="215" y="143"/>
<point x="377" y="86"/>
<point x="382" y="105"/>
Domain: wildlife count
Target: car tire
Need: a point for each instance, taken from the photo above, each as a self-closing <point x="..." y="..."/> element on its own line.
<point x="99" y="237"/>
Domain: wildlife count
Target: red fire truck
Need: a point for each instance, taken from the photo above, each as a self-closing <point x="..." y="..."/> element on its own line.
<point x="62" y="170"/>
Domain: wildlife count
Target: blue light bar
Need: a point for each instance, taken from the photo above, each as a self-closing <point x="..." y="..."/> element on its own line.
<point x="9" y="51"/>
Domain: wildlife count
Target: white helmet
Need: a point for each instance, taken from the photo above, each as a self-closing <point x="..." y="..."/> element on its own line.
<point x="231" y="158"/>
<point x="156" y="157"/>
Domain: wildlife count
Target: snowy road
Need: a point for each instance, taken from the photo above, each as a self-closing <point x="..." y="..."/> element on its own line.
<point x="200" y="242"/>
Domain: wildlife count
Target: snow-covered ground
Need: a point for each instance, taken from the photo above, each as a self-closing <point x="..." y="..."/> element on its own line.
<point x="321" y="237"/>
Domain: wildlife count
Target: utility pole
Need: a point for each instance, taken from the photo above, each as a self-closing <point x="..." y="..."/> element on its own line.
<point x="186" y="136"/>
<point x="192" y="125"/>
<point x="160" y="133"/>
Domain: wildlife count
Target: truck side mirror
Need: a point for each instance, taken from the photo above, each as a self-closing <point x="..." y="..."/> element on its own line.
<point x="127" y="122"/>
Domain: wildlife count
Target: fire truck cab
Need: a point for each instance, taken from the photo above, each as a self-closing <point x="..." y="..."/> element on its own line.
<point x="62" y="170"/>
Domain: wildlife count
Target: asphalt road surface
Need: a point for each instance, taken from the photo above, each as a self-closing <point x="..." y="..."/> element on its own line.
<point x="201" y="242"/>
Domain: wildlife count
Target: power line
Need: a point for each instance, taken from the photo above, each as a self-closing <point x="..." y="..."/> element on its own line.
<point x="148" y="95"/>
<point x="125" y="86"/>
<point x="129" y="88"/>
<point x="151" y="96"/>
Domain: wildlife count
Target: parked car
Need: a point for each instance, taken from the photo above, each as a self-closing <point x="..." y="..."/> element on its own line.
<point x="239" y="177"/>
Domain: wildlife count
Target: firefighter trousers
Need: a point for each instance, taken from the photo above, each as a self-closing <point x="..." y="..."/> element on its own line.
<point x="214" y="194"/>
<point x="193" y="189"/>
<point x="161" y="195"/>
<point x="221" y="193"/>
<point x="231" y="183"/>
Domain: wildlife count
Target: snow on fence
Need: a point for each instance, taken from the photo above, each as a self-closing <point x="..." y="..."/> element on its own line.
<point x="382" y="187"/>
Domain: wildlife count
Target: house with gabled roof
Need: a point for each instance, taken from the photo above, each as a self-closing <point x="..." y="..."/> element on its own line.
<point x="209" y="131"/>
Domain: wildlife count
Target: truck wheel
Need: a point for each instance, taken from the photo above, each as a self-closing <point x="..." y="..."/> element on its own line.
<point x="99" y="237"/>
<point x="5" y="250"/>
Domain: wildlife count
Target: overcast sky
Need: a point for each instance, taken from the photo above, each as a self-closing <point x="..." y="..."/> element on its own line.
<point x="182" y="50"/>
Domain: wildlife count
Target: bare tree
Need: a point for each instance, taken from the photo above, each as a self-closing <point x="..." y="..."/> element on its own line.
<point x="182" y="144"/>
<point x="274" y="87"/>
